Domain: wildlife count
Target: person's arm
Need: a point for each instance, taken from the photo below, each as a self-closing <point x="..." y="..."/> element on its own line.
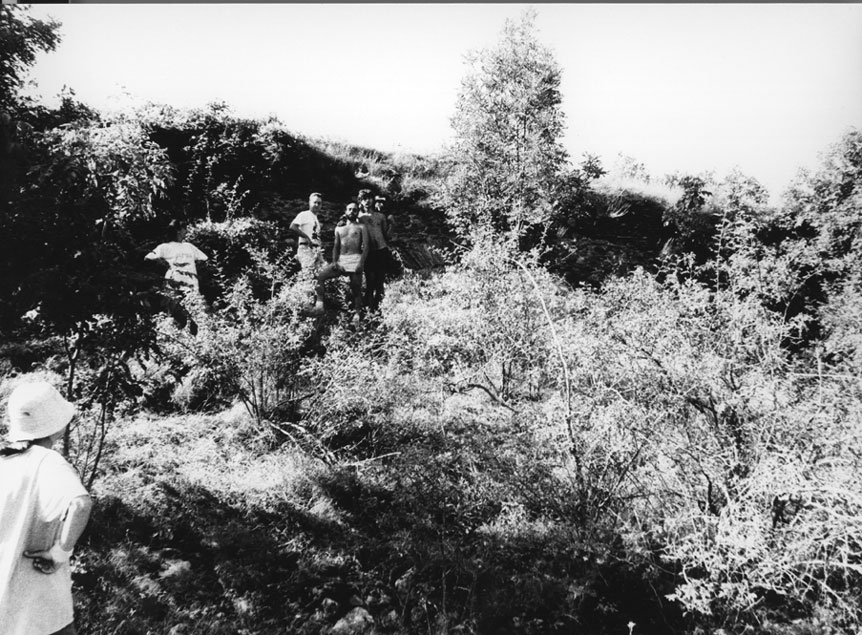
<point x="295" y="228"/>
<point x="384" y="227"/>
<point x="199" y="255"/>
<point x="336" y="247"/>
<point x="364" y="233"/>
<point x="77" y="515"/>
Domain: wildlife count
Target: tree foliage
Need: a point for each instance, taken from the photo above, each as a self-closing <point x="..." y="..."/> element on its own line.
<point x="228" y="167"/>
<point x="507" y="156"/>
<point x="21" y="38"/>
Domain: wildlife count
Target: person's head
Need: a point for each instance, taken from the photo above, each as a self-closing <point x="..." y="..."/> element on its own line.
<point x="364" y="199"/>
<point x="351" y="211"/>
<point x="315" y="200"/>
<point x="37" y="411"/>
<point x="380" y="203"/>
<point x="179" y="230"/>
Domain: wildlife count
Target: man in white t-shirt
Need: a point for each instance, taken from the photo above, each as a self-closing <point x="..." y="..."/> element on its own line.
<point x="181" y="278"/>
<point x="44" y="509"/>
<point x="182" y="274"/>
<point x="307" y="227"/>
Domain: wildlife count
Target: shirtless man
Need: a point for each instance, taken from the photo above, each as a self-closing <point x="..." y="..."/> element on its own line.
<point x="348" y="259"/>
<point x="307" y="227"/>
<point x="379" y="256"/>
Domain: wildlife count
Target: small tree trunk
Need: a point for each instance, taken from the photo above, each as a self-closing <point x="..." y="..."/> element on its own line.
<point x="103" y="433"/>
<point x="73" y="351"/>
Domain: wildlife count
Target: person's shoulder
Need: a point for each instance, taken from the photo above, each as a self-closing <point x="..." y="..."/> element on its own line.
<point x="37" y="454"/>
<point x="49" y="458"/>
<point x="48" y="454"/>
<point x="194" y="249"/>
<point x="53" y="463"/>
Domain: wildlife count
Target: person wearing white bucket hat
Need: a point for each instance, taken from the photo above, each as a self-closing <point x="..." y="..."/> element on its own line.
<point x="45" y="508"/>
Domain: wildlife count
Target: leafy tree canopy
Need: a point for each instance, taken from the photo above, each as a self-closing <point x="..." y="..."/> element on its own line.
<point x="507" y="156"/>
<point x="21" y="38"/>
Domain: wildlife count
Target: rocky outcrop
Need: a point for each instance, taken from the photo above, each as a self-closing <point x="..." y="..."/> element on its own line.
<point x="357" y="621"/>
<point x="419" y="255"/>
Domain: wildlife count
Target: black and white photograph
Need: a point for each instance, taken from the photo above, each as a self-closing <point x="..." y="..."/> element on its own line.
<point x="430" y="319"/>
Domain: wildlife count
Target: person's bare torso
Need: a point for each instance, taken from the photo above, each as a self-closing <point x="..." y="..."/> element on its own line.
<point x="350" y="236"/>
<point x="374" y="221"/>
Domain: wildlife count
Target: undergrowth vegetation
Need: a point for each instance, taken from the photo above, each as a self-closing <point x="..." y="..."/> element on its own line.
<point x="625" y="405"/>
<point x="647" y="453"/>
<point x="495" y="451"/>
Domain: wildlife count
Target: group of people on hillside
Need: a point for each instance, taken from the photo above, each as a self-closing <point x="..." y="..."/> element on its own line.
<point x="361" y="251"/>
<point x="44" y="507"/>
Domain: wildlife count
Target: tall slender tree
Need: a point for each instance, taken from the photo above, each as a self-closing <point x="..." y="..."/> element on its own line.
<point x="507" y="156"/>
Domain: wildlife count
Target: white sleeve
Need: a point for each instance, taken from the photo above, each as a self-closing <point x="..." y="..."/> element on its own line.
<point x="59" y="484"/>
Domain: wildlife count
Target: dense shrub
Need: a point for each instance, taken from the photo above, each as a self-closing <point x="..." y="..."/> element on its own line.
<point x="676" y="424"/>
<point x="234" y="247"/>
<point x="246" y="347"/>
<point x="693" y="432"/>
<point x="479" y="325"/>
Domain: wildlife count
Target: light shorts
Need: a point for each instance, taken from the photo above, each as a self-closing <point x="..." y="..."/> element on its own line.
<point x="309" y="257"/>
<point x="349" y="262"/>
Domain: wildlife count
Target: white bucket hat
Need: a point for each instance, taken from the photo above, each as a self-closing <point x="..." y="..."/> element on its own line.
<point x="37" y="410"/>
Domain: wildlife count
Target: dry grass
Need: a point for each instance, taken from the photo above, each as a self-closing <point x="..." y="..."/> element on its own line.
<point x="223" y="453"/>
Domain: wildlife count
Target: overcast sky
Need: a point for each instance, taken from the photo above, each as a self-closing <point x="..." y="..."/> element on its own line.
<point x="679" y="87"/>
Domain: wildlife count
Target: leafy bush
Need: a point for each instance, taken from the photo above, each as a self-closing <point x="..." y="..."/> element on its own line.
<point x="677" y="425"/>
<point x="693" y="432"/>
<point x="250" y="348"/>
<point x="234" y="247"/>
<point x="479" y="325"/>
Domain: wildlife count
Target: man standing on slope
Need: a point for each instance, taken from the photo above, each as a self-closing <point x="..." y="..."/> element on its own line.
<point x="181" y="278"/>
<point x="379" y="256"/>
<point x="348" y="259"/>
<point x="180" y="256"/>
<point x="394" y="266"/>
<point x="307" y="227"/>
